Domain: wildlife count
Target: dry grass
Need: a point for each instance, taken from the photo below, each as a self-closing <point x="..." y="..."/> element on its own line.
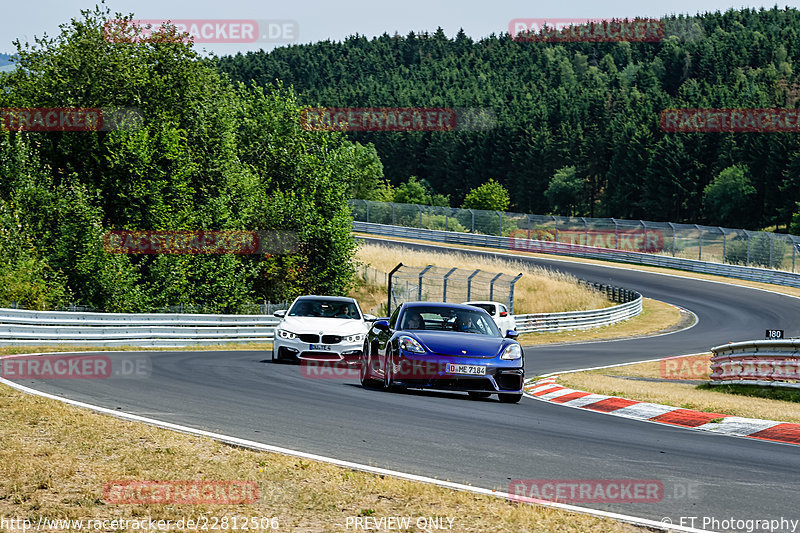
<point x="610" y="381"/>
<point x="538" y="291"/>
<point x="681" y="273"/>
<point x="656" y="317"/>
<point x="55" y="460"/>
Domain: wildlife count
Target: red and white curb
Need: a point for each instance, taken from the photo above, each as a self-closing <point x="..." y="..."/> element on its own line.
<point x="548" y="390"/>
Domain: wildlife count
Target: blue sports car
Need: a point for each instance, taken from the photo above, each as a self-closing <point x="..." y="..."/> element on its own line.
<point x="443" y="346"/>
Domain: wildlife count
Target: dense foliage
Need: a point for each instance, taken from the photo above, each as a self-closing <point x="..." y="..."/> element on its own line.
<point x="209" y="155"/>
<point x="582" y="114"/>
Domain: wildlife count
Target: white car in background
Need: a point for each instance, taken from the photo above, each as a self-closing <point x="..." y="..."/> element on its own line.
<point x="321" y="328"/>
<point x="499" y="314"/>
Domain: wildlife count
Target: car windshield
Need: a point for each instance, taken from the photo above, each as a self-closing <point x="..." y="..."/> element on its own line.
<point x="489" y="308"/>
<point x="325" y="308"/>
<point x="448" y="319"/>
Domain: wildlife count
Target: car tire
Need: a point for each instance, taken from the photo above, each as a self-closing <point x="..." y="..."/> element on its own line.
<point x="388" y="377"/>
<point x="366" y="381"/>
<point x="509" y="398"/>
<point x="478" y="395"/>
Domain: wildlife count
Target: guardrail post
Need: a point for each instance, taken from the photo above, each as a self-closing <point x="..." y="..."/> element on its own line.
<point x="646" y="245"/>
<point x="421" y="275"/>
<point x="771" y="239"/>
<point x="585" y="231"/>
<point x="529" y="226"/>
<point x="469" y="283"/>
<point x="699" y="243"/>
<point x="795" y="247"/>
<point x="389" y="288"/>
<point x="555" y="227"/>
<point x="724" y="243"/>
<point x="471" y="212"/>
<point x="747" y="233"/>
<point x="616" y="234"/>
<point x="491" y="286"/>
<point x="446" y="216"/>
<point x="393" y="222"/>
<point x="500" y="214"/>
<point x="511" y="293"/>
<point x="419" y="207"/>
<point x="672" y="226"/>
<point x="444" y="283"/>
<point x="366" y="204"/>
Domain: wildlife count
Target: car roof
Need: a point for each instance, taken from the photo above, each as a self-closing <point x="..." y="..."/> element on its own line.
<point x="472" y="302"/>
<point x="326" y="298"/>
<point x="412" y="305"/>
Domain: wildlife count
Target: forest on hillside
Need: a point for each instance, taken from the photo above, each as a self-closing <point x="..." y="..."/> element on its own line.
<point x="577" y="128"/>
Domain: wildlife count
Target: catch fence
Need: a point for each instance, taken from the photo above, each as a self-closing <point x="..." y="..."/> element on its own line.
<point x="687" y="241"/>
<point x="443" y="284"/>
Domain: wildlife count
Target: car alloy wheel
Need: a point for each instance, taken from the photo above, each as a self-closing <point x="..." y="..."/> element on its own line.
<point x="388" y="376"/>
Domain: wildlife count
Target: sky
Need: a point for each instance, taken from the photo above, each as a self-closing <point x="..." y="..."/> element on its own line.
<point x="305" y="21"/>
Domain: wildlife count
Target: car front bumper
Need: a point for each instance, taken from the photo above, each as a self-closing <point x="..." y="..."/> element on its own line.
<point x="297" y="350"/>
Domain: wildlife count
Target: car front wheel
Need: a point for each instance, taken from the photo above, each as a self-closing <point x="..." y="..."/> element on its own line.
<point x="388" y="380"/>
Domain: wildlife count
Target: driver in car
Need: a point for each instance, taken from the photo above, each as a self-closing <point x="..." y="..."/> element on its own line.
<point x="414" y="321"/>
<point x="465" y="323"/>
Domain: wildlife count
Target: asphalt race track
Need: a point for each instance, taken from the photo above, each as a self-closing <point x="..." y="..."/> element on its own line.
<point x="485" y="443"/>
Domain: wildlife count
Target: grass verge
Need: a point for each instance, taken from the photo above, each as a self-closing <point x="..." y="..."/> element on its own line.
<point x="655" y="382"/>
<point x="56" y="459"/>
<point x="656" y="317"/>
<point x="538" y="291"/>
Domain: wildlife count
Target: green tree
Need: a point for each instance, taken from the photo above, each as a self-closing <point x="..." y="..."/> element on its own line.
<point x="727" y="197"/>
<point x="565" y="191"/>
<point x="416" y="191"/>
<point x="491" y="196"/>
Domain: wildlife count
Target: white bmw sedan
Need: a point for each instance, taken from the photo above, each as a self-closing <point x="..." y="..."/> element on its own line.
<point x="321" y="328"/>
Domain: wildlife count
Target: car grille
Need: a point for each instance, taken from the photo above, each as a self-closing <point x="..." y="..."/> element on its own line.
<point x="308" y="337"/>
<point x="331" y="339"/>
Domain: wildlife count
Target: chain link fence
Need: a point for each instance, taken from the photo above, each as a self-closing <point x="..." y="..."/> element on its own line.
<point x="688" y="241"/>
<point x="442" y="284"/>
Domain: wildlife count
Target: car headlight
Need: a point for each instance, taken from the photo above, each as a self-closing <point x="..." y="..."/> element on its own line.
<point x="354" y="338"/>
<point x="283" y="334"/>
<point x="410" y="345"/>
<point x="512" y="351"/>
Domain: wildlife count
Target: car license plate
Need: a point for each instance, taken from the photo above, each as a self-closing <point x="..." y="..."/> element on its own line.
<point x="475" y="370"/>
<point x="320" y="347"/>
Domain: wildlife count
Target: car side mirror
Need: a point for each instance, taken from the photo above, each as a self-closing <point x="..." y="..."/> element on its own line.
<point x="280" y="313"/>
<point x="503" y="313"/>
<point x="512" y="334"/>
<point x="382" y="325"/>
<point x="370" y="318"/>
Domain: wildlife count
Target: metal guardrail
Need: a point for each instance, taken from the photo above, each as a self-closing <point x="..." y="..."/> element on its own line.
<point x="764" y="362"/>
<point x="24" y="327"/>
<point x="631" y="306"/>
<point x="763" y="275"/>
<point x="28" y="328"/>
